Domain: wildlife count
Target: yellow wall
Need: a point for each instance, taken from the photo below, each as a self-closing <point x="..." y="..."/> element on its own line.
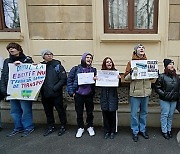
<point x="71" y="27"/>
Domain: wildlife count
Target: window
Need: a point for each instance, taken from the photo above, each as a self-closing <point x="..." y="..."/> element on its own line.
<point x="130" y="16"/>
<point x="9" y="15"/>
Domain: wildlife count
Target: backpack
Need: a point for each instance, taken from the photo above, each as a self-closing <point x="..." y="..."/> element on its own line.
<point x="70" y="80"/>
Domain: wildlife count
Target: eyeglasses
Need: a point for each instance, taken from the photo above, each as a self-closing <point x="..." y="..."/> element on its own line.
<point x="48" y="54"/>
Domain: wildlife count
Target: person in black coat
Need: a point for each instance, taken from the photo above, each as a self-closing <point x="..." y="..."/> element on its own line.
<point x="21" y="110"/>
<point x="109" y="102"/>
<point x="52" y="92"/>
<point x="167" y="86"/>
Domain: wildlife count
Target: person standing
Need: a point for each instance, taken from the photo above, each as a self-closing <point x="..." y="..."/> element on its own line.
<point x="52" y="92"/>
<point x="83" y="94"/>
<point x="21" y="110"/>
<point x="140" y="90"/>
<point x="167" y="87"/>
<point x="109" y="102"/>
<point x="1" y="95"/>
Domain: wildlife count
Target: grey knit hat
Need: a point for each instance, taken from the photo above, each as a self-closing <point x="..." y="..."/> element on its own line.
<point x="45" y="51"/>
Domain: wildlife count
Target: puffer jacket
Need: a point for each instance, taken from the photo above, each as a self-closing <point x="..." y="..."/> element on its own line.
<point x="5" y="71"/>
<point x="109" y="99"/>
<point x="73" y="83"/>
<point x="55" y="79"/>
<point x="168" y="87"/>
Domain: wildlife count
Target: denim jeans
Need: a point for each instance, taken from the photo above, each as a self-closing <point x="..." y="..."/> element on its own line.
<point x="138" y="121"/>
<point x="167" y="111"/>
<point x="0" y="120"/>
<point x="21" y="112"/>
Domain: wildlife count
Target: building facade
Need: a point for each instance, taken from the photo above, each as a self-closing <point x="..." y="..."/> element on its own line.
<point x="103" y="27"/>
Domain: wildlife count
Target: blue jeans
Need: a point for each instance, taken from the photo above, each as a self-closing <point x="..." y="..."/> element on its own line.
<point x="21" y="112"/>
<point x="167" y="111"/>
<point x="0" y="119"/>
<point x="138" y="122"/>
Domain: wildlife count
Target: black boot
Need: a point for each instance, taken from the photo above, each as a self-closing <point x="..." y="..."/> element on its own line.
<point x="144" y="134"/>
<point x="166" y="136"/>
<point x="170" y="134"/>
<point x="135" y="137"/>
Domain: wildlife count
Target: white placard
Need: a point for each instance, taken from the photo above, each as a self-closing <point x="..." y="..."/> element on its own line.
<point x="107" y="78"/>
<point x="25" y="81"/>
<point x="144" y="69"/>
<point x="85" y="78"/>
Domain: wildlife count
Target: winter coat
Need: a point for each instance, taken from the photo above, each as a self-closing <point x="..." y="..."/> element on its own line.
<point x="138" y="87"/>
<point x="5" y="72"/>
<point x="72" y="81"/>
<point x="168" y="87"/>
<point x="109" y="99"/>
<point x="55" y="79"/>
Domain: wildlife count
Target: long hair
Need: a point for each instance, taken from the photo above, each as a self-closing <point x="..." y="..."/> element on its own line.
<point x="170" y="72"/>
<point x="104" y="64"/>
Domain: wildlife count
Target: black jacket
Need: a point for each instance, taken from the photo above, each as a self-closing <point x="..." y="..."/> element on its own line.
<point x="168" y="87"/>
<point x="5" y="71"/>
<point x="55" y="79"/>
<point x="109" y="98"/>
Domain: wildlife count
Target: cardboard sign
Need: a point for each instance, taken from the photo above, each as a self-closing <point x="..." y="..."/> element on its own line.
<point x="25" y="81"/>
<point x="85" y="78"/>
<point x="144" y="69"/>
<point x="107" y="78"/>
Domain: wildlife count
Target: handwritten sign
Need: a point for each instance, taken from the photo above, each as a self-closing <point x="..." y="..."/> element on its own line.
<point x="85" y="78"/>
<point x="25" y="81"/>
<point x="107" y="78"/>
<point x="144" y="69"/>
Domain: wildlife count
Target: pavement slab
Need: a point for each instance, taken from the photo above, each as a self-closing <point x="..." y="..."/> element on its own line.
<point x="36" y="143"/>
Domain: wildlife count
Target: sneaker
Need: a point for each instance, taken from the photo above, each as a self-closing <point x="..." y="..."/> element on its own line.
<point x="14" y="132"/>
<point x="80" y="132"/>
<point x="62" y="131"/>
<point x="91" y="131"/>
<point x="27" y="132"/>
<point x="49" y="130"/>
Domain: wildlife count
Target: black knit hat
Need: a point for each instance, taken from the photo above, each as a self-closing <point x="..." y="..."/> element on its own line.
<point x="167" y="62"/>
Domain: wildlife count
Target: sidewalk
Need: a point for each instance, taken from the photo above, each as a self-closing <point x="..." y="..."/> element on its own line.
<point x="36" y="143"/>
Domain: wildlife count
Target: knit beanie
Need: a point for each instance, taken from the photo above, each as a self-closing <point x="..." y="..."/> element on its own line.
<point x="45" y="51"/>
<point x="167" y="62"/>
<point x="84" y="56"/>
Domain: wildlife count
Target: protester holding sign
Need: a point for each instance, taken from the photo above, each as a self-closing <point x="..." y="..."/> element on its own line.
<point x="109" y="102"/>
<point x="52" y="92"/>
<point x="168" y="88"/>
<point x="140" y="89"/>
<point x="83" y="94"/>
<point x="1" y="95"/>
<point x="21" y="110"/>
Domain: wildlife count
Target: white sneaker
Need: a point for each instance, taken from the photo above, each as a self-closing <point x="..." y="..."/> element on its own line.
<point x="91" y="131"/>
<point x="79" y="133"/>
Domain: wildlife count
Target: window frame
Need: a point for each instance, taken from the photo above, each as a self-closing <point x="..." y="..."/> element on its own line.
<point x="130" y="29"/>
<point x="3" y="27"/>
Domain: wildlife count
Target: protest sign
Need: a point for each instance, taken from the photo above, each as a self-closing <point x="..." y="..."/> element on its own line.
<point x="144" y="69"/>
<point x="85" y="78"/>
<point x="25" y="81"/>
<point x="107" y="78"/>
